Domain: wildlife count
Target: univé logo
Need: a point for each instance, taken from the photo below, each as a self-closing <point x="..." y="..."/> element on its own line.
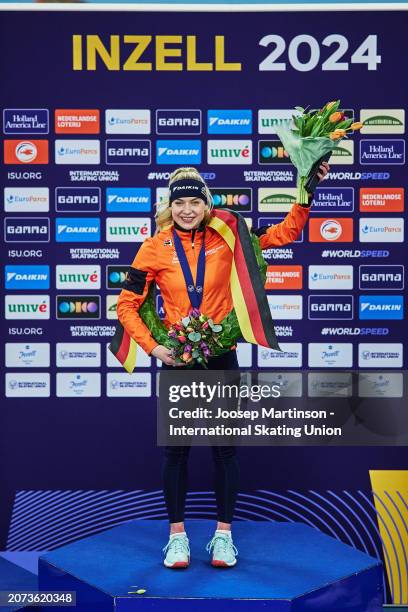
<point x="26" y="151"/>
<point x="331" y="230"/>
<point x="78" y="306"/>
<point x="229" y="152"/>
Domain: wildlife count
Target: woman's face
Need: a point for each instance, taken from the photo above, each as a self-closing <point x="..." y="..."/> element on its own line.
<point x="188" y="212"/>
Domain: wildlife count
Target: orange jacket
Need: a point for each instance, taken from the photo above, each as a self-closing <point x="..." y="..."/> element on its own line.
<point x="157" y="261"/>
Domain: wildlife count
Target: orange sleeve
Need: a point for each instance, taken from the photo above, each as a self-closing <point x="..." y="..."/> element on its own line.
<point x="134" y="290"/>
<point x="286" y="231"/>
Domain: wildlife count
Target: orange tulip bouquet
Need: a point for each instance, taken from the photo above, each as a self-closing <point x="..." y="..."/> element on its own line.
<point x="312" y="136"/>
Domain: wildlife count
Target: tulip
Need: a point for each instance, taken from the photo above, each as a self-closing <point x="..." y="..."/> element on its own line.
<point x="335" y="117"/>
<point x="337" y="134"/>
<point x="205" y="325"/>
<point x="181" y="339"/>
<point x="186" y="357"/>
<point x="356" y="126"/>
<point x="177" y="326"/>
<point x="330" y="104"/>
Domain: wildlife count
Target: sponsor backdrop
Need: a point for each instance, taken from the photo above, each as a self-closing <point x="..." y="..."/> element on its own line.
<point x="96" y="112"/>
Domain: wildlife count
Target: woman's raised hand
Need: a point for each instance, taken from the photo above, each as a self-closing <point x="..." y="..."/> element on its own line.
<point x="164" y="354"/>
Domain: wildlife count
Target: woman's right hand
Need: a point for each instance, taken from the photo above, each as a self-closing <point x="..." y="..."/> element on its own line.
<point x="164" y="354"/>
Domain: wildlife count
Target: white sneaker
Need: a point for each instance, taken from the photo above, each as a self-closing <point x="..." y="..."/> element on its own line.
<point x="177" y="551"/>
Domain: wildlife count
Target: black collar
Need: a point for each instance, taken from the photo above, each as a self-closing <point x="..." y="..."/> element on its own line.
<point x="200" y="228"/>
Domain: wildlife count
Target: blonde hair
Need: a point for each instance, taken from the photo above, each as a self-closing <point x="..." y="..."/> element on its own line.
<point x="163" y="216"/>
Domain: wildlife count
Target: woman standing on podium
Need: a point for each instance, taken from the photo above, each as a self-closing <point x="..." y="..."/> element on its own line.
<point x="182" y="230"/>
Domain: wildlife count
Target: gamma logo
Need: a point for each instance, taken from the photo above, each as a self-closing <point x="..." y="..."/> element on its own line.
<point x="382" y="278"/>
<point x="239" y="199"/>
<point x="169" y="121"/>
<point x="272" y="152"/>
<point x="381" y="307"/>
<point x="330" y="307"/>
<point x="78" y="307"/>
<point x="128" y="152"/>
<point x="28" y="229"/>
<point x="78" y="199"/>
<point x="26" y="151"/>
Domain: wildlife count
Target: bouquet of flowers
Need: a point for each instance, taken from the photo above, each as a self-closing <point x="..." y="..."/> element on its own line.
<point x="314" y="134"/>
<point x="194" y="338"/>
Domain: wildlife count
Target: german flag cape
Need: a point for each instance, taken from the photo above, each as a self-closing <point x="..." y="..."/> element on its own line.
<point x="248" y="293"/>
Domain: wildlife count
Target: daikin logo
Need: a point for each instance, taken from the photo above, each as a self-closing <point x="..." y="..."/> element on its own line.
<point x="77" y="230"/>
<point x="27" y="277"/>
<point x="230" y="122"/>
<point x="128" y="199"/>
<point x="234" y="152"/>
<point x="178" y="151"/>
<point x="381" y="307"/>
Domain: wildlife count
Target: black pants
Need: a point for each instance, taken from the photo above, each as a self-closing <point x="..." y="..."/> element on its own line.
<point x="225" y="464"/>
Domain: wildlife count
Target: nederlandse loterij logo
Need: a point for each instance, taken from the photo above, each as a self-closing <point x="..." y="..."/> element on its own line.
<point x="77" y="121"/>
<point x="229" y="121"/>
<point x="383" y="121"/>
<point x="77" y="152"/>
<point x="276" y="199"/>
<point x="26" y="199"/>
<point x="178" y="151"/>
<point x="76" y="229"/>
<point x="229" y="152"/>
<point x="25" y="121"/>
<point x="178" y="121"/>
<point x="131" y="121"/>
<point x="128" y="199"/>
<point x="77" y="199"/>
<point x="78" y="277"/>
<point x="381" y="199"/>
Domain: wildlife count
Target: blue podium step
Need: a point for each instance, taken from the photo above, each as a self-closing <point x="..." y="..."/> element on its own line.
<point x="282" y="567"/>
<point x="14" y="578"/>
